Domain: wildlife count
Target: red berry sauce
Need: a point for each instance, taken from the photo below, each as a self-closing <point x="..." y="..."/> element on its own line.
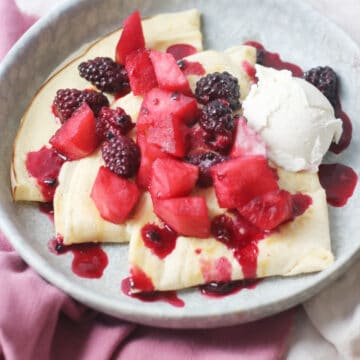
<point x="339" y="182"/>
<point x="346" y="135"/>
<point x="161" y="241"/>
<point x="44" y="165"/>
<point x="273" y="60"/>
<point x="250" y="70"/>
<point x="241" y="237"/>
<point x="47" y="209"/>
<point x="180" y="51"/>
<point x="140" y="281"/>
<point x="220" y="289"/>
<point x="165" y="296"/>
<point x="89" y="261"/>
<point x="300" y="203"/>
<point x="191" y="67"/>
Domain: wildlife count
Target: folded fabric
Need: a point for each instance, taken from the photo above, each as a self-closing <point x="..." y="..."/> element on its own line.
<point x="38" y="321"/>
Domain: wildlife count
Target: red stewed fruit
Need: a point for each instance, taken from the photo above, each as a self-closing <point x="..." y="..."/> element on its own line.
<point x="131" y="38"/>
<point x="168" y="74"/>
<point x="163" y="119"/>
<point x="140" y="72"/>
<point x="149" y="153"/>
<point x="274" y="208"/>
<point x="238" y="181"/>
<point x="268" y="210"/>
<point x="247" y="141"/>
<point x="114" y="196"/>
<point x="77" y="138"/>
<point x="186" y="215"/>
<point x="172" y="178"/>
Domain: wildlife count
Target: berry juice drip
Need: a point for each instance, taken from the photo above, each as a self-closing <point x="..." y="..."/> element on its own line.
<point x="166" y="296"/>
<point x="44" y="165"/>
<point x="140" y="281"/>
<point x="161" y="241"/>
<point x="346" y="135"/>
<point x="241" y="237"/>
<point x="180" y="51"/>
<point x="221" y="289"/>
<point x="47" y="209"/>
<point x="273" y="60"/>
<point x="339" y="182"/>
<point x="89" y="260"/>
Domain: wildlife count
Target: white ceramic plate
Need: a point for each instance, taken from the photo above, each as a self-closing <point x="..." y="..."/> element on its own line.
<point x="293" y="29"/>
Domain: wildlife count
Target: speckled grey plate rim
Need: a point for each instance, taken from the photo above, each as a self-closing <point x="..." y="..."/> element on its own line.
<point x="135" y="311"/>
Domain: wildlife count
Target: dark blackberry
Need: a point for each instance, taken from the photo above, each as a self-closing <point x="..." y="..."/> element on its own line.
<point x="121" y="156"/>
<point x="113" y="122"/>
<point x="205" y="161"/>
<point x="216" y="117"/>
<point x="218" y="86"/>
<point x="325" y="79"/>
<point x="106" y="75"/>
<point x="68" y="100"/>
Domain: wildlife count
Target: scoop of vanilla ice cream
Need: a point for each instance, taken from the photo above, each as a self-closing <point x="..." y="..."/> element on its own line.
<point x="294" y="118"/>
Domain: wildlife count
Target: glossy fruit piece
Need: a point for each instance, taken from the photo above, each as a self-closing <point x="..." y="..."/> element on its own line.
<point x="131" y="38"/>
<point x="158" y="102"/>
<point x="168" y="74"/>
<point x="140" y="72"/>
<point x="163" y="120"/>
<point x="149" y="153"/>
<point x="247" y="141"/>
<point x="274" y="208"/>
<point x="77" y="137"/>
<point x="114" y="196"/>
<point x="172" y="178"/>
<point x="170" y="135"/>
<point x="186" y="215"/>
<point x="269" y="210"/>
<point x="240" y="180"/>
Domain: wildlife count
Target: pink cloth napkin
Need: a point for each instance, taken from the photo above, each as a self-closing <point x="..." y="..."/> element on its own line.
<point x="38" y="321"/>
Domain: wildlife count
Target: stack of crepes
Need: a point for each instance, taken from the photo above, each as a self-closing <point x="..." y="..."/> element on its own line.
<point x="298" y="246"/>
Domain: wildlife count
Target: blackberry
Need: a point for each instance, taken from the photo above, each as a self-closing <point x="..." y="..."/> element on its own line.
<point x="325" y="79"/>
<point x="218" y="86"/>
<point x="68" y="100"/>
<point x="121" y="156"/>
<point x="216" y="117"/>
<point x="113" y="122"/>
<point x="205" y="161"/>
<point x="106" y="75"/>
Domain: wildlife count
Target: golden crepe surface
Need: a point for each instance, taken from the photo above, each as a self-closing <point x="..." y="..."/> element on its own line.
<point x="300" y="246"/>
